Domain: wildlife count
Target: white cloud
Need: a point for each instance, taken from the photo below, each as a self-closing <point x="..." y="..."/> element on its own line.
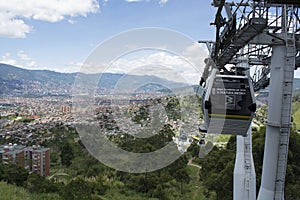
<point x="163" y="1"/>
<point x="297" y="73"/>
<point x="7" y="59"/>
<point x="159" y="1"/>
<point x="159" y="63"/>
<point x="134" y="0"/>
<point x="23" y="56"/>
<point x="11" y="27"/>
<point x="186" y="65"/>
<point x="72" y="21"/>
<point x="14" y="12"/>
<point x="21" y="59"/>
<point x="196" y="54"/>
<point x="71" y="67"/>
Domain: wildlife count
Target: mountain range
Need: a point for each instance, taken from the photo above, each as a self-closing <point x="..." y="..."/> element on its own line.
<point x="15" y="81"/>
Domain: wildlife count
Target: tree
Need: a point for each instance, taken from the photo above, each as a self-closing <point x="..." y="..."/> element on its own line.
<point x="181" y="177"/>
<point x="194" y="149"/>
<point x="159" y="193"/>
<point x="39" y="184"/>
<point x="78" y="189"/>
<point x="217" y="167"/>
<point x="217" y="170"/>
<point x="13" y="174"/>
<point x="66" y="154"/>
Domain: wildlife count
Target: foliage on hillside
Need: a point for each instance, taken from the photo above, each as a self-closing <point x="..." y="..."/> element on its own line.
<point x="296" y="111"/>
<point x="78" y="175"/>
<point x="9" y="192"/>
<point x="217" y="167"/>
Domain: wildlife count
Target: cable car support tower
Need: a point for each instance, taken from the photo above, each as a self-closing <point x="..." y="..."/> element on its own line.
<point x="265" y="33"/>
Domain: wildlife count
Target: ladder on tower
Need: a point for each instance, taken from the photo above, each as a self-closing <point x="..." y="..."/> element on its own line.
<point x="248" y="166"/>
<point x="285" y="118"/>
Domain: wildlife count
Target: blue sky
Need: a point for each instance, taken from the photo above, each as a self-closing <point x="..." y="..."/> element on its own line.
<point x="60" y="36"/>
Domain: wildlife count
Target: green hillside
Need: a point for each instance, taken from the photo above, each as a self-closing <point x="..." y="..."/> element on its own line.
<point x="9" y="192"/>
<point x="296" y="111"/>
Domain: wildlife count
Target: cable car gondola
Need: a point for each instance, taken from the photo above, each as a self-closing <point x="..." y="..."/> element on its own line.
<point x="228" y="104"/>
<point x="200" y="140"/>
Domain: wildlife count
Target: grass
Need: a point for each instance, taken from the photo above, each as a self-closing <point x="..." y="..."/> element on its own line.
<point x="223" y="138"/>
<point x="116" y="195"/>
<point x="12" y="192"/>
<point x="296" y="114"/>
<point x="196" y="188"/>
<point x="193" y="191"/>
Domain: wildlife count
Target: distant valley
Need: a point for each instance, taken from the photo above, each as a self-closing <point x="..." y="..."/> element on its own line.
<point x="16" y="81"/>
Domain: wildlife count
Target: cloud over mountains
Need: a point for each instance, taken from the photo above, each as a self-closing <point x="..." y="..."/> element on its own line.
<point x="14" y="14"/>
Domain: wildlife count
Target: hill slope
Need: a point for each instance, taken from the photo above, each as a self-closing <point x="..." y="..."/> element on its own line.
<point x="16" y="81"/>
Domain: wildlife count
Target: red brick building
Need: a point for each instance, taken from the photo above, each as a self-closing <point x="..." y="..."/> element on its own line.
<point x="34" y="159"/>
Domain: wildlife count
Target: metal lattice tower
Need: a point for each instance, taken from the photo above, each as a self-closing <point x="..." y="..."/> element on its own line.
<point x="267" y="32"/>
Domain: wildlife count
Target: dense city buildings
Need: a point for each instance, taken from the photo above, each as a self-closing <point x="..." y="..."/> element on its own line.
<point x="38" y="121"/>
